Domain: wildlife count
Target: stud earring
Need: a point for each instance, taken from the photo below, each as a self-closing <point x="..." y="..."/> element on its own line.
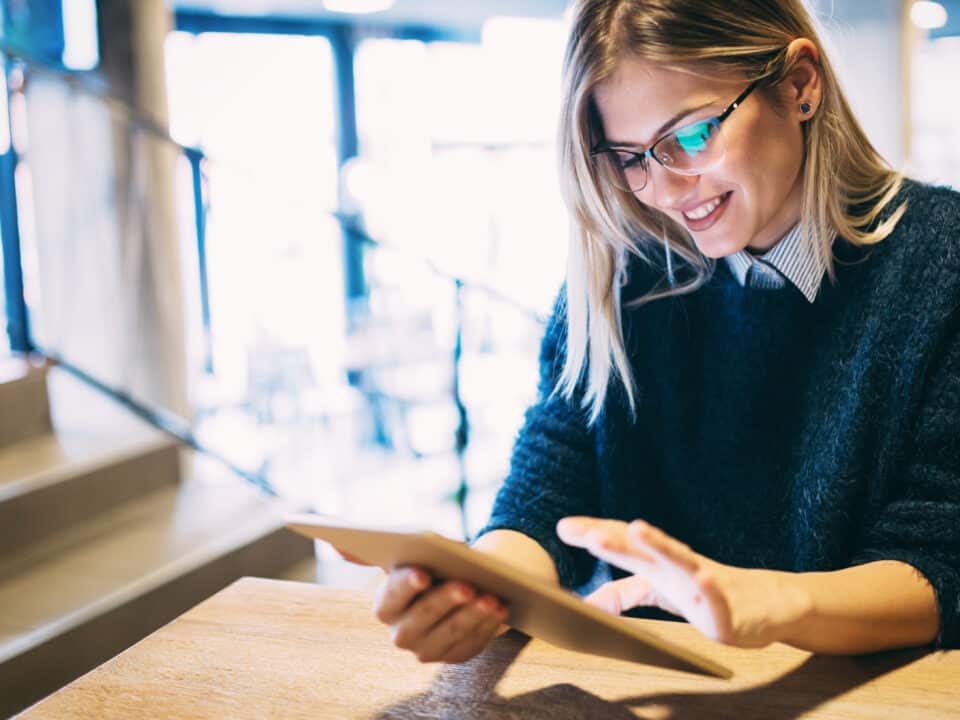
<point x="805" y="108"/>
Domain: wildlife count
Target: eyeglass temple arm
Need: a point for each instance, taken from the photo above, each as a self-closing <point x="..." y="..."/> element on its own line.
<point x="736" y="103"/>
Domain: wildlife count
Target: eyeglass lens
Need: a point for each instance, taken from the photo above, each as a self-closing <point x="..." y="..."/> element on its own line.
<point x="691" y="150"/>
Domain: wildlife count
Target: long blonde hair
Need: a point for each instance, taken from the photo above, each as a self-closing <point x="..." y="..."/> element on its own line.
<point x="842" y="169"/>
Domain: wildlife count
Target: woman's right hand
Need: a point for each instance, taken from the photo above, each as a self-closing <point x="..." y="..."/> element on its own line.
<point x="448" y="622"/>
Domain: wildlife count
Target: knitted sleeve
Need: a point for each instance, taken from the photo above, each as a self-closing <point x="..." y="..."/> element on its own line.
<point x="552" y="467"/>
<point x="921" y="523"/>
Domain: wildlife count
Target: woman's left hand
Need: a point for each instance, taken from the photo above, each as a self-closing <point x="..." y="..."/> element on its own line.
<point x="748" y="608"/>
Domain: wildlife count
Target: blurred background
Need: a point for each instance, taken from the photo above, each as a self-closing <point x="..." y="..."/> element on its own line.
<point x="311" y="243"/>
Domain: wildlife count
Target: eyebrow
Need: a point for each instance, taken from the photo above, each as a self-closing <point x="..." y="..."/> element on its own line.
<point x="663" y="128"/>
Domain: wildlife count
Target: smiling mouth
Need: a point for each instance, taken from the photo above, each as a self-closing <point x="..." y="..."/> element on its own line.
<point x="707" y="208"/>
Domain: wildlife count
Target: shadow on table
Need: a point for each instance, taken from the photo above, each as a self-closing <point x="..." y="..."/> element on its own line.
<point x="468" y="692"/>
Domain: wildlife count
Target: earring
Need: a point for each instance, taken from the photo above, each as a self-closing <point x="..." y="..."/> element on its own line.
<point x="805" y="108"/>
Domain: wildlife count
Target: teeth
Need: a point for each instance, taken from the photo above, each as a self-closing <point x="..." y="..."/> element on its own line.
<point x="704" y="210"/>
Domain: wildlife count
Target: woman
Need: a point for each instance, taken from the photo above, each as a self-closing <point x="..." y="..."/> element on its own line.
<point x="757" y="351"/>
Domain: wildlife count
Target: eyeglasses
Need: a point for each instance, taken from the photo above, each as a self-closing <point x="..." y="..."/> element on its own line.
<point x="690" y="150"/>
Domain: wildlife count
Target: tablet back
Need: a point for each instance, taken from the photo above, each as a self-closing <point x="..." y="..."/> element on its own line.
<point x="540" y="609"/>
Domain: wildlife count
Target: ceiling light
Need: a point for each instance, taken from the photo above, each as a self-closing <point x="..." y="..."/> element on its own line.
<point x="358" y="7"/>
<point x="928" y="15"/>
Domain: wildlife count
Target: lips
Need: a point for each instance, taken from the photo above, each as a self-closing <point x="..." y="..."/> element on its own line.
<point x="705" y="209"/>
<point x="716" y="211"/>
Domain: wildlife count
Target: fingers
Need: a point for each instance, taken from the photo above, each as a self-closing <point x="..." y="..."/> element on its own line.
<point x="618" y="596"/>
<point x="464" y="633"/>
<point x="662" y="566"/>
<point x="411" y="630"/>
<point x="658" y="544"/>
<point x="607" y="540"/>
<point x="447" y="622"/>
<point x="478" y="640"/>
<point x="577" y="530"/>
<point x="396" y="593"/>
<point x="581" y="531"/>
<point x="720" y="609"/>
<point x="587" y="532"/>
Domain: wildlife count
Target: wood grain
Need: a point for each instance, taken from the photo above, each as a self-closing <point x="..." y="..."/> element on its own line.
<point x="271" y="649"/>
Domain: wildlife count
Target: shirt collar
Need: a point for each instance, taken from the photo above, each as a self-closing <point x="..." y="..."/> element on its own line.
<point x="797" y="261"/>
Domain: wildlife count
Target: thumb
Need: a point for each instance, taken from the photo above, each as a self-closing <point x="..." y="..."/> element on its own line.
<point x="618" y="596"/>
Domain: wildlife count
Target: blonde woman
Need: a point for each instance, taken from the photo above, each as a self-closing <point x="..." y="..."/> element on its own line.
<point x="750" y="386"/>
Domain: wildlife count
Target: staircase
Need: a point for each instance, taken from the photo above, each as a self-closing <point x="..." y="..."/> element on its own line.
<point x="109" y="529"/>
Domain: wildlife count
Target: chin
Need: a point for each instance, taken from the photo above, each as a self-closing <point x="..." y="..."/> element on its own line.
<point x="717" y="249"/>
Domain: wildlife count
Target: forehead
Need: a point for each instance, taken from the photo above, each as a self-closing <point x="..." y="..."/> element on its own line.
<point x="640" y="96"/>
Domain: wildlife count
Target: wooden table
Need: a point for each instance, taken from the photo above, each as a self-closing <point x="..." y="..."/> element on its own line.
<point x="264" y="648"/>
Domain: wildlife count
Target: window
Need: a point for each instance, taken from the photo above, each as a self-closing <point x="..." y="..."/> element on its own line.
<point x="4" y="337"/>
<point x="4" y="149"/>
<point x="261" y="107"/>
<point x="936" y="134"/>
<point x="457" y="175"/>
<point x="455" y="178"/>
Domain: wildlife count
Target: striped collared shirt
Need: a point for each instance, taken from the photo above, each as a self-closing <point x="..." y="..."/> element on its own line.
<point x="789" y="260"/>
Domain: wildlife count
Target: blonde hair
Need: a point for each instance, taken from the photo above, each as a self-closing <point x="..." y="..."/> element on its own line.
<point x="842" y="169"/>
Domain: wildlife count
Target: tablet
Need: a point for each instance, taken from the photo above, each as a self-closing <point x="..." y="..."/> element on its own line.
<point x="540" y="609"/>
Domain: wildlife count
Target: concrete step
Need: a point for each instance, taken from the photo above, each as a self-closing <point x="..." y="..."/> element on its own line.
<point x="24" y="412"/>
<point x="98" y="457"/>
<point x="79" y="598"/>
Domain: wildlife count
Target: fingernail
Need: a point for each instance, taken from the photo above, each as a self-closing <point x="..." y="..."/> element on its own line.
<point x="570" y="525"/>
<point x="461" y="594"/>
<point x="418" y="581"/>
<point x="596" y="537"/>
<point x="487" y="604"/>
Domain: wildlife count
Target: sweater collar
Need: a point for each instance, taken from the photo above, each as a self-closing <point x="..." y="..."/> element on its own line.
<point x="793" y="259"/>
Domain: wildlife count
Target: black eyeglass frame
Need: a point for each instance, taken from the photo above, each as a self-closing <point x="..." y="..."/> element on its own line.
<point x="650" y="152"/>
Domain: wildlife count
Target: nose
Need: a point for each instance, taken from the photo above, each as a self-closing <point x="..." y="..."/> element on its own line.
<point x="667" y="189"/>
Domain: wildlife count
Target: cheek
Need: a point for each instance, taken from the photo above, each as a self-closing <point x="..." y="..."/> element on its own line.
<point x="765" y="167"/>
<point x="784" y="155"/>
<point x="646" y="197"/>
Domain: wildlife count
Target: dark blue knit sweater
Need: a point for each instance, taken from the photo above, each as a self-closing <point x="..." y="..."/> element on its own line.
<point x="772" y="432"/>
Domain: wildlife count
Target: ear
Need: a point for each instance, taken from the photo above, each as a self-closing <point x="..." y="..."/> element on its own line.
<point x="802" y="84"/>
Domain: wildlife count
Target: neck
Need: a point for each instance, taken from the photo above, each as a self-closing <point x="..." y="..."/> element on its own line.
<point x="780" y="224"/>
